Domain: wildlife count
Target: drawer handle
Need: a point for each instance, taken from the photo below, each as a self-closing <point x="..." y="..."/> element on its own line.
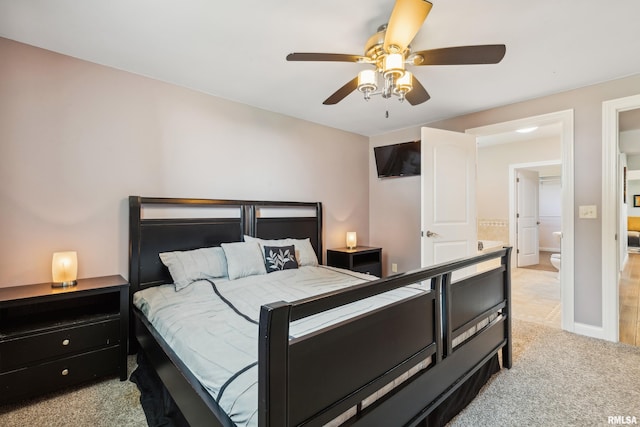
<point x="65" y="372"/>
<point x="65" y="342"/>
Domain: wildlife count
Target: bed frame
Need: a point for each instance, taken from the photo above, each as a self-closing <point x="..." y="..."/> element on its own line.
<point x="313" y="379"/>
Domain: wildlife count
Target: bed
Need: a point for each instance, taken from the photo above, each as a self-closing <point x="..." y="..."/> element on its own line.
<point x="399" y="362"/>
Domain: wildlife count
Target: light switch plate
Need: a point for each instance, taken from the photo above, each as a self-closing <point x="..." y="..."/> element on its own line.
<point x="588" y="212"/>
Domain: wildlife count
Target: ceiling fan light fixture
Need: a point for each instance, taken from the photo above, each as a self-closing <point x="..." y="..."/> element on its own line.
<point x="367" y="82"/>
<point x="389" y="50"/>
<point x="393" y="65"/>
<point x="404" y="84"/>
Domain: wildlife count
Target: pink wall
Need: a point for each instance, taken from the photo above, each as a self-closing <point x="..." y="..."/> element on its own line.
<point x="76" y="139"/>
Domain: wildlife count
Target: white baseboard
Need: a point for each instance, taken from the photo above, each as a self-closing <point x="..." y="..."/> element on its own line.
<point x="549" y="249"/>
<point x="589" y="330"/>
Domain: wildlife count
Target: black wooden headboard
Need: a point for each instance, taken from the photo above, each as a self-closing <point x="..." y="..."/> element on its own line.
<point x="170" y="224"/>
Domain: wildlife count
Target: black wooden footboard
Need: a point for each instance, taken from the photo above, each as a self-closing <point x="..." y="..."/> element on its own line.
<point x="315" y="378"/>
<point x="329" y="372"/>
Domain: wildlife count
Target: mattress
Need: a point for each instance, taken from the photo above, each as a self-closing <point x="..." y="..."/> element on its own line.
<point x="213" y="326"/>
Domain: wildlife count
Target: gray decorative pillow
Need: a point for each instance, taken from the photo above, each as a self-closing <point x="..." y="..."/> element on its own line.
<point x="187" y="267"/>
<point x="243" y="259"/>
<point x="280" y="258"/>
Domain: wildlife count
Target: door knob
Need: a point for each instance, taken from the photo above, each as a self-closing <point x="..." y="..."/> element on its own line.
<point x="432" y="234"/>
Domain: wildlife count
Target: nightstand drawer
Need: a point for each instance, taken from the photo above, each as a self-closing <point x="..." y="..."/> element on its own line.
<point x="59" y="373"/>
<point x="19" y="352"/>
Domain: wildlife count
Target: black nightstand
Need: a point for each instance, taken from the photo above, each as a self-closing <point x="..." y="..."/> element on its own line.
<point x="363" y="259"/>
<point x="52" y="338"/>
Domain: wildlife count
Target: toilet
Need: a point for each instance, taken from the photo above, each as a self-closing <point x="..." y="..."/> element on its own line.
<point x="555" y="258"/>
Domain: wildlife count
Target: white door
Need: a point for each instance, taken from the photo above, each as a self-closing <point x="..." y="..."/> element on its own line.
<point x="448" y="175"/>
<point x="527" y="217"/>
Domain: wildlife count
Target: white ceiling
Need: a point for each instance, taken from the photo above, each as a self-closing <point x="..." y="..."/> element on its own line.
<point x="236" y="49"/>
<point x="552" y="130"/>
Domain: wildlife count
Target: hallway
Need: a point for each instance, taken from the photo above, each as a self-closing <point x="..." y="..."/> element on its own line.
<point x="629" y="291"/>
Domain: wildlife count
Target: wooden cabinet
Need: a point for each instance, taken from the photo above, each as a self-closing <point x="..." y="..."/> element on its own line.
<point x="52" y="338"/>
<point x="363" y="259"/>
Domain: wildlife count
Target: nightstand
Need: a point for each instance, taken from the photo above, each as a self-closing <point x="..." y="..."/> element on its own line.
<point x="363" y="259"/>
<point x="52" y="338"/>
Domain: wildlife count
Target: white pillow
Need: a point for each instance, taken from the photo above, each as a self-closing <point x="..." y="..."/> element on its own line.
<point x="187" y="267"/>
<point x="243" y="259"/>
<point x="304" y="251"/>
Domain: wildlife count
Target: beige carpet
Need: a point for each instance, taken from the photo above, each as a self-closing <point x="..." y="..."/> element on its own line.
<point x="558" y="379"/>
<point x="105" y="403"/>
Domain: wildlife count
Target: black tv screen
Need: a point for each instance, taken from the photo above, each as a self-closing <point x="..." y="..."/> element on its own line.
<point x="398" y="159"/>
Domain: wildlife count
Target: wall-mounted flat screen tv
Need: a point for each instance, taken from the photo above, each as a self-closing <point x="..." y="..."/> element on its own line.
<point x="398" y="159"/>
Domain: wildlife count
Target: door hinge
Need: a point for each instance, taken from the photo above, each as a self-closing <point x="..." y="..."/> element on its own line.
<point x="517" y="179"/>
<point x="517" y="251"/>
<point x="517" y="215"/>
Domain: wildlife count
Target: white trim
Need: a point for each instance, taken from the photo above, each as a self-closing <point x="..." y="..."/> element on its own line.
<point x="610" y="110"/>
<point x="589" y="330"/>
<point x="567" y="272"/>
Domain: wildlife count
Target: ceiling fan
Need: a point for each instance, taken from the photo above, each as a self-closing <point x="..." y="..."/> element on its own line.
<point x="388" y="51"/>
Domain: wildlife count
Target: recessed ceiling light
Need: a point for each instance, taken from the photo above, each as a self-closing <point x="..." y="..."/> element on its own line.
<point x="527" y="130"/>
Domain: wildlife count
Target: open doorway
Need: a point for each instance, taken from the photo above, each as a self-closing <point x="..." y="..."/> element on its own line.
<point x="628" y="284"/>
<point x="621" y="262"/>
<point x="612" y="205"/>
<point x="535" y="201"/>
<point x="564" y="120"/>
<point x="536" y="206"/>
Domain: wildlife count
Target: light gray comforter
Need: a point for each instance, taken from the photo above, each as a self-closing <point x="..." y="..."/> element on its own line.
<point x="213" y="327"/>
